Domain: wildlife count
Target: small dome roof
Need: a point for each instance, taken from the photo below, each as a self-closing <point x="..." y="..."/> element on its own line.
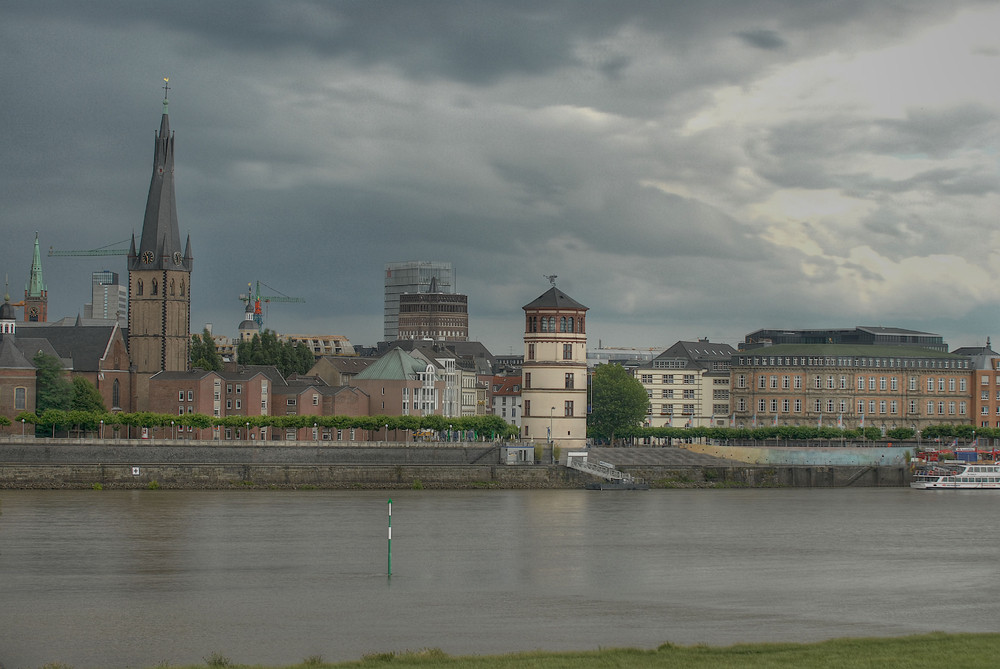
<point x="7" y="311"/>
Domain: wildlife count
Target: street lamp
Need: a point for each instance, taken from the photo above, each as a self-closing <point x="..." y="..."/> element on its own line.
<point x="102" y="428"/>
<point x="386" y="434"/>
<point x="22" y="427"/>
<point x="173" y="432"/>
<point x="247" y="435"/>
<point x="449" y="432"/>
<point x="315" y="431"/>
<point x="551" y="413"/>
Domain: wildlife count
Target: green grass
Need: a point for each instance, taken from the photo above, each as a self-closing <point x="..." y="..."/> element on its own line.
<point x="928" y="651"/>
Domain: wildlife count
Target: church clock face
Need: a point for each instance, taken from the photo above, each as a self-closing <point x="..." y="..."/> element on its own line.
<point x="147" y="257"/>
<point x="177" y="257"/>
<point x="33" y="313"/>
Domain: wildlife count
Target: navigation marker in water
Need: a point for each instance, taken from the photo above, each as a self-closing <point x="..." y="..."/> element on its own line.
<point x="390" y="538"/>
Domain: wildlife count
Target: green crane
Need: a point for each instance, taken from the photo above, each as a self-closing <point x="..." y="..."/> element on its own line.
<point x="102" y="251"/>
<point x="257" y="298"/>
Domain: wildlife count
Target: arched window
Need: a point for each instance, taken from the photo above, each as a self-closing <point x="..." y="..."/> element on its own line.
<point x="156" y="288"/>
<point x="171" y="287"/>
<point x="545" y="324"/>
<point x="552" y="323"/>
<point x="138" y="286"/>
<point x="182" y="287"/>
<point x="116" y="394"/>
<point x="562" y="324"/>
<point x="571" y="324"/>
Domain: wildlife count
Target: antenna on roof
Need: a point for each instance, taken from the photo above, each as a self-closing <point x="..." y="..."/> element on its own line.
<point x="551" y="277"/>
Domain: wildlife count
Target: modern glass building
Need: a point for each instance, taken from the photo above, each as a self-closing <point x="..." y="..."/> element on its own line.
<point x="412" y="277"/>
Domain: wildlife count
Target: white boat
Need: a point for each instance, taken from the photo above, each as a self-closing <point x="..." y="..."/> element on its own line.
<point x="959" y="475"/>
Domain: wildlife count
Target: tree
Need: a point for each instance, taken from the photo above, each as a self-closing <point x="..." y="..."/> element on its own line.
<point x="86" y="397"/>
<point x="619" y="402"/>
<point x="203" y="352"/>
<point x="266" y="349"/>
<point x="52" y="389"/>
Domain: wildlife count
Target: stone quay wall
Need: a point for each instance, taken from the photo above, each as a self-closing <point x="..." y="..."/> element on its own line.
<point x="62" y="463"/>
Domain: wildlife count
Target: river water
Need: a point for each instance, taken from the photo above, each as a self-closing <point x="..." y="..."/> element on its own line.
<point x="139" y="578"/>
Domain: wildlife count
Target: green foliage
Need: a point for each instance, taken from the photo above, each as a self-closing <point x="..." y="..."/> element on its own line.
<point x="203" y="352"/>
<point x="619" y="402"/>
<point x="266" y="349"/>
<point x="97" y="486"/>
<point x="417" y="484"/>
<point x="153" y="485"/>
<point x="900" y="433"/>
<point x="217" y="660"/>
<point x="86" y="396"/>
<point x="53" y="389"/>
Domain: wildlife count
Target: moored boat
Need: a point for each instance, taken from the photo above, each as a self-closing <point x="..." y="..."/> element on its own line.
<point x="958" y="475"/>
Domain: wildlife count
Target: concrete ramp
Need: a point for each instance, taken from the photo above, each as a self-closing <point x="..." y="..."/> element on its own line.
<point x="581" y="461"/>
<point x="658" y="457"/>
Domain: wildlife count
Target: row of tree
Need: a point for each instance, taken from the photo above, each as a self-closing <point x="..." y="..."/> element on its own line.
<point x="52" y="420"/>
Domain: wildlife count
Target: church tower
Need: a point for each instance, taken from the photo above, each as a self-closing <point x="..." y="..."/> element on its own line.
<point x="36" y="296"/>
<point x="159" y="272"/>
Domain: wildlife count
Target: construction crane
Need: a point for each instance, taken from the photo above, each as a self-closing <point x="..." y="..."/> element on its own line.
<point x="257" y="298"/>
<point x="102" y="251"/>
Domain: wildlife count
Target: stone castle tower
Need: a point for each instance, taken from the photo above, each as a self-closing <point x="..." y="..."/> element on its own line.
<point x="159" y="272"/>
<point x="554" y="383"/>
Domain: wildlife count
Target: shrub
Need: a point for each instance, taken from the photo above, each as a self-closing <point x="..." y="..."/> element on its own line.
<point x="217" y="660"/>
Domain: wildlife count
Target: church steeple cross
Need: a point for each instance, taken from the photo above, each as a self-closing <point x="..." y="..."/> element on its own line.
<point x="166" y="87"/>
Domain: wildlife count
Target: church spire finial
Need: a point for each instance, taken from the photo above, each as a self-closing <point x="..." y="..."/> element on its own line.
<point x="166" y="87"/>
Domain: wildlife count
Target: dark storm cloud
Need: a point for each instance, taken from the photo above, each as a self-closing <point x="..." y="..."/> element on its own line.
<point x="317" y="141"/>
<point x="938" y="132"/>
<point x="763" y="39"/>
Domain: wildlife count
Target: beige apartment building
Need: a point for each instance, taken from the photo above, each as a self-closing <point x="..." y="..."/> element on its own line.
<point x="688" y="385"/>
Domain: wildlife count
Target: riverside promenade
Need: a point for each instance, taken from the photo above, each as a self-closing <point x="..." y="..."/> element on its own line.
<point x="39" y="463"/>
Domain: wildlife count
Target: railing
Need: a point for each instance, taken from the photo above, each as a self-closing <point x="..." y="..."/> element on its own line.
<point x="605" y="472"/>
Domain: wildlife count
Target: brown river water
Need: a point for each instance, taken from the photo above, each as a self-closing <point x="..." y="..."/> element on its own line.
<point x="140" y="578"/>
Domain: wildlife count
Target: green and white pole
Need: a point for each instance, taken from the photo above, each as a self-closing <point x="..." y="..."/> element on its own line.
<point x="390" y="538"/>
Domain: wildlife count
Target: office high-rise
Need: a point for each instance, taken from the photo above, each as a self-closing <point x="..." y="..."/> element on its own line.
<point x="109" y="298"/>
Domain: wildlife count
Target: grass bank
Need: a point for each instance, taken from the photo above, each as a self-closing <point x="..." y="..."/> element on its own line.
<point x="930" y="651"/>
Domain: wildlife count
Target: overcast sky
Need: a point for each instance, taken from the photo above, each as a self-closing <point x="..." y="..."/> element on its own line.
<point x="687" y="169"/>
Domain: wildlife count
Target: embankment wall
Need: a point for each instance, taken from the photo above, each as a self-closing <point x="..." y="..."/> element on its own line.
<point x="60" y="463"/>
